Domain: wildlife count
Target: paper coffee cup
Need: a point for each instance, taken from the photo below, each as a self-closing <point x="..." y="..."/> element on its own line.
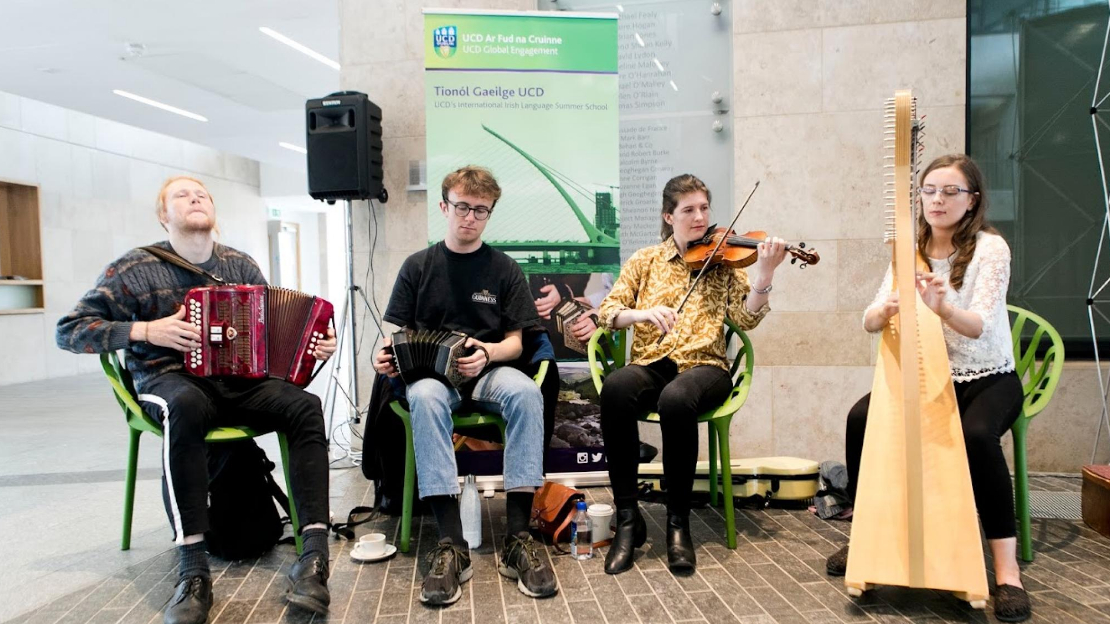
<point x="601" y="517"/>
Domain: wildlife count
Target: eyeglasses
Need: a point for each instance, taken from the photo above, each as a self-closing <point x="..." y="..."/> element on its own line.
<point x="462" y="209"/>
<point x="950" y="190"/>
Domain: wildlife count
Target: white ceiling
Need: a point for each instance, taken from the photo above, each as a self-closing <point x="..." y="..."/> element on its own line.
<point x="205" y="56"/>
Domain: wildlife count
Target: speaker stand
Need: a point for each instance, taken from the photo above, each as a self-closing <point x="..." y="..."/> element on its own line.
<point x="346" y="341"/>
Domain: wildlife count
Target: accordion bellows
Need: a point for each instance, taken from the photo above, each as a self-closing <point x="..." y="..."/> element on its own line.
<point x="422" y="353"/>
<point x="256" y="332"/>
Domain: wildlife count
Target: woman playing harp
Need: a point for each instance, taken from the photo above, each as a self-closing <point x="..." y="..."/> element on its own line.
<point x="966" y="287"/>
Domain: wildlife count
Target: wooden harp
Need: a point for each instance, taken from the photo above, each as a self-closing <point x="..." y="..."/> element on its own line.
<point x="915" y="523"/>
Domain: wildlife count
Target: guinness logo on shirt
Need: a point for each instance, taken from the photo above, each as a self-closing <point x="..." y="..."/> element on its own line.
<point x="484" y="297"/>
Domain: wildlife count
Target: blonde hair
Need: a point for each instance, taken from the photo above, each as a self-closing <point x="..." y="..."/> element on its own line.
<point x="473" y="180"/>
<point x="160" y="203"/>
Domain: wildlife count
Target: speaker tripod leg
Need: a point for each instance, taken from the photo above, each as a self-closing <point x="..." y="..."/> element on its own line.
<point x="330" y="391"/>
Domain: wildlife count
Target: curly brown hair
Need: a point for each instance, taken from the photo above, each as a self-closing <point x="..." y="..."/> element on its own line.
<point x="973" y="222"/>
<point x="473" y="180"/>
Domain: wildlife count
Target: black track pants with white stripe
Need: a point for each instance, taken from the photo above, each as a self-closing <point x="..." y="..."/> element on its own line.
<point x="194" y="405"/>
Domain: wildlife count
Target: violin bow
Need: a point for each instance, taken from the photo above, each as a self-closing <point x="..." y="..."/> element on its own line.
<point x="706" y="265"/>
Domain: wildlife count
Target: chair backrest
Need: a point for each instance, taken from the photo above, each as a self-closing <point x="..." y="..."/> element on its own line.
<point x="124" y="389"/>
<point x="606" y="354"/>
<point x="1038" y="380"/>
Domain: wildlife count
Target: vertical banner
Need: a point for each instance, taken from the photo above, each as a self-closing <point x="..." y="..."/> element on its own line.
<point x="532" y="96"/>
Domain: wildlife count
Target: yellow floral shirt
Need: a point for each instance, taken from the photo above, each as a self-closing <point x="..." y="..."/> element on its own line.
<point x="658" y="276"/>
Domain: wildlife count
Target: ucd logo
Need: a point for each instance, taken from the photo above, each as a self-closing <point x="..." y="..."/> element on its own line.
<point x="445" y="41"/>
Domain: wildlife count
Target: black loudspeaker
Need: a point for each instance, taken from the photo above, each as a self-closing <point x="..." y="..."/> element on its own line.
<point x="344" y="140"/>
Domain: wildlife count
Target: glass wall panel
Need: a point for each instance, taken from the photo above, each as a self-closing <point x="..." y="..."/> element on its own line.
<point x="675" y="63"/>
<point x="1032" y="70"/>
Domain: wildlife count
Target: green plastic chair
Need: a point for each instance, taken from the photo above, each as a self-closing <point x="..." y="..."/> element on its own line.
<point x="138" y="422"/>
<point x="1038" y="384"/>
<point x="461" y="421"/>
<point x="606" y="356"/>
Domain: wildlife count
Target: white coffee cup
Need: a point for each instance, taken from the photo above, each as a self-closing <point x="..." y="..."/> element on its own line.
<point x="601" y="516"/>
<point x="371" y="545"/>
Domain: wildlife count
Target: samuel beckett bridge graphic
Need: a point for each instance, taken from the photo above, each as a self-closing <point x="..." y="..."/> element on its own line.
<point x="542" y="218"/>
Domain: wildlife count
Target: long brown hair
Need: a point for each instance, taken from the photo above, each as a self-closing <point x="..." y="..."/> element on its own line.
<point x="674" y="190"/>
<point x="973" y="222"/>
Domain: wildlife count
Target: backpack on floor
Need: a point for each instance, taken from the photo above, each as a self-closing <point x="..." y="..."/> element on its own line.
<point x="243" y="520"/>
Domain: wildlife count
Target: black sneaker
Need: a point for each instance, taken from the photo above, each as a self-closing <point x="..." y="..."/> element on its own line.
<point x="448" y="566"/>
<point x="837" y="563"/>
<point x="308" y="584"/>
<point x="521" y="560"/>
<point x="191" y="601"/>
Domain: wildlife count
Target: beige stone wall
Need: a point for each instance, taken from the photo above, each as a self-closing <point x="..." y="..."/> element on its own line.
<point x="811" y="77"/>
<point x="97" y="180"/>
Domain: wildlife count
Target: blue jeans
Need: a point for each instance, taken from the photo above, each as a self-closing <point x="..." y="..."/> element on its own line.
<point x="505" y="391"/>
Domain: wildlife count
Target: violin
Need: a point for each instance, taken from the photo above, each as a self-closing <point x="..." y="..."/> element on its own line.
<point x="738" y="250"/>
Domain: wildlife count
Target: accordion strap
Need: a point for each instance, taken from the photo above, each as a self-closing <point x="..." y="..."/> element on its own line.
<point x="178" y="261"/>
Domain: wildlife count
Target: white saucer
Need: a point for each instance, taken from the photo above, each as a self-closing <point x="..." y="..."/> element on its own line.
<point x="390" y="550"/>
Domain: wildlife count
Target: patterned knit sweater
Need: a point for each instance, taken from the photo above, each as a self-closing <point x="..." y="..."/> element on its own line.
<point x="141" y="287"/>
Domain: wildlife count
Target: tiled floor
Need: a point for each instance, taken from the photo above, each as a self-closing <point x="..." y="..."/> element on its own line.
<point x="775" y="575"/>
<point x="60" y="494"/>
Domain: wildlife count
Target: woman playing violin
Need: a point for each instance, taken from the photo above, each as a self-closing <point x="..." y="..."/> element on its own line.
<point x="680" y="376"/>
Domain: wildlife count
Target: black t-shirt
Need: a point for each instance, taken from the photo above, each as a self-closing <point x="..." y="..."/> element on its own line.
<point x="483" y="293"/>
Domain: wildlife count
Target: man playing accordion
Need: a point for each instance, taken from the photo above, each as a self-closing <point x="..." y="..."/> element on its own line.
<point x="137" y="305"/>
<point x="461" y="284"/>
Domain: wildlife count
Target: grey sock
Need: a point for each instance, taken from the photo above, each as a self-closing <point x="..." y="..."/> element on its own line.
<point x="194" y="561"/>
<point x="315" y="541"/>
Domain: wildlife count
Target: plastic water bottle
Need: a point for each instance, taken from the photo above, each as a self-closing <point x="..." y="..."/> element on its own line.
<point x="470" y="508"/>
<point x="581" y="544"/>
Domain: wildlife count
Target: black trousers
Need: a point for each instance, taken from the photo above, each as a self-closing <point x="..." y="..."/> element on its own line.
<point x="635" y="391"/>
<point x="988" y="408"/>
<point x="194" y="405"/>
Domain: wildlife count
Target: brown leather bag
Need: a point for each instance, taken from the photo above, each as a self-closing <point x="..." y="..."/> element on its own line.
<point x="553" y="510"/>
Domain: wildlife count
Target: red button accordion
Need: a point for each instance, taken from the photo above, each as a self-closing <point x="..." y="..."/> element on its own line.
<point x="256" y="332"/>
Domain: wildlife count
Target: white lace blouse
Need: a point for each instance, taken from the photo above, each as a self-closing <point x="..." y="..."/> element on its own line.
<point x="983" y="292"/>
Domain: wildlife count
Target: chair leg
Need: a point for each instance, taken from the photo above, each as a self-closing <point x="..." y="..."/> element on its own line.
<point x="410" y="486"/>
<point x="283" y="443"/>
<point x="712" y="465"/>
<point x="1021" y="489"/>
<point x="722" y="425"/>
<point x="129" y="488"/>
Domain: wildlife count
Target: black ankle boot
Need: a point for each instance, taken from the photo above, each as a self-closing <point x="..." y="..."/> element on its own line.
<point x="680" y="548"/>
<point x="631" y="534"/>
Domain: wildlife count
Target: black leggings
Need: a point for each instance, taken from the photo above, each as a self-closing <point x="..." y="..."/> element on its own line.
<point x="988" y="408"/>
<point x="634" y="391"/>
